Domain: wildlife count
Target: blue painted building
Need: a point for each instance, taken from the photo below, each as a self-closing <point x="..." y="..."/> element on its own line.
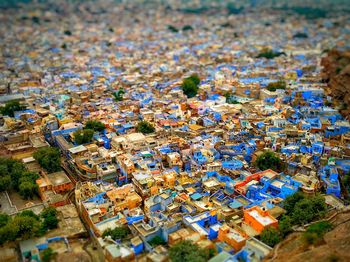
<point x="329" y="176"/>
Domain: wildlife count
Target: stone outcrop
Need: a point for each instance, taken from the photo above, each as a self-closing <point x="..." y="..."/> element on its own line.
<point x="336" y="72"/>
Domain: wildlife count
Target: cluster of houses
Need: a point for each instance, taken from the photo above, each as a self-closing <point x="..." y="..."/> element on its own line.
<point x="194" y="177"/>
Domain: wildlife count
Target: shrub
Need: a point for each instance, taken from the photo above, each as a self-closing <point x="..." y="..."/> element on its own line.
<point x="145" y="127"/>
<point x="270" y="236"/>
<point x="156" y="241"/>
<point x="320" y="228"/>
<point x="47" y="255"/>
<point x="117" y="233"/>
<point x="315" y="232"/>
<point x="187" y="251"/>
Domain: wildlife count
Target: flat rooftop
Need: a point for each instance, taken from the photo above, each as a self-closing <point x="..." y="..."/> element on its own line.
<point x="58" y="178"/>
<point x="264" y="220"/>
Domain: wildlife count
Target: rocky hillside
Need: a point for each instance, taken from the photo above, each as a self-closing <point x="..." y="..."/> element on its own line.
<point x="334" y="246"/>
<point x="336" y="72"/>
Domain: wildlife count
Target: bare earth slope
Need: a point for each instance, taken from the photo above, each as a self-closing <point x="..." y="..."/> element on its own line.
<point x="335" y="246"/>
<point x="336" y="71"/>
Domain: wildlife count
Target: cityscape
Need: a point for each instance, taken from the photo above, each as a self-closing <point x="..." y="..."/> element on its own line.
<point x="180" y="131"/>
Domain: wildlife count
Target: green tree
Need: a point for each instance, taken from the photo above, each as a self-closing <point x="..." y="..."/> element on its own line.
<point x="95" y="125"/>
<point x="273" y="86"/>
<point x="4" y="219"/>
<point x="117" y="233"/>
<point x="318" y="205"/>
<point x="302" y="214"/>
<point x="16" y="170"/>
<point x="173" y="29"/>
<point x="11" y="107"/>
<point x="308" y="209"/>
<point x="229" y="98"/>
<point x="50" y="220"/>
<point x="3" y="169"/>
<point x="145" y="127"/>
<point x="49" y="211"/>
<point x="25" y="226"/>
<point x="285" y="225"/>
<point x="156" y="241"/>
<point x="189" y="88"/>
<point x="67" y="32"/>
<point x="29" y="213"/>
<point x="47" y="255"/>
<point x="270" y="236"/>
<point x="5" y="182"/>
<point x="187" y="251"/>
<point x="190" y="85"/>
<point x="118" y="96"/>
<point x="269" y="160"/>
<point x="28" y="176"/>
<point x="13" y="174"/>
<point x="8" y="233"/>
<point x="187" y="28"/>
<point x="290" y="201"/>
<point x="49" y="159"/>
<point x="28" y="189"/>
<point x="83" y="136"/>
<point x="300" y="35"/>
<point x="195" y="79"/>
<point x="269" y="54"/>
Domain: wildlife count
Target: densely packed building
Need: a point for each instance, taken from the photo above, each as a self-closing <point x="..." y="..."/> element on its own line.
<point x="138" y="152"/>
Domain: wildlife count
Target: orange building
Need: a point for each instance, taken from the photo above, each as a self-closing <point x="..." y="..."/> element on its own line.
<point x="241" y="186"/>
<point x="259" y="219"/>
<point x="233" y="237"/>
<point x="184" y="234"/>
<point x="51" y="185"/>
<point x="124" y="197"/>
<point x="166" y="180"/>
